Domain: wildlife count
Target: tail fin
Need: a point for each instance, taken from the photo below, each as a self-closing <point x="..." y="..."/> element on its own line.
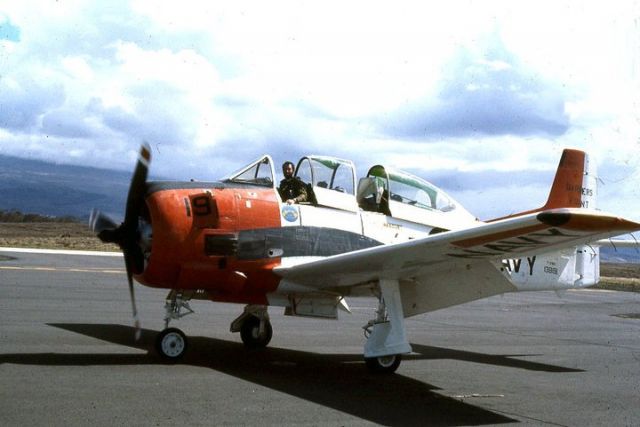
<point x="575" y="183"/>
<point x="574" y="186"/>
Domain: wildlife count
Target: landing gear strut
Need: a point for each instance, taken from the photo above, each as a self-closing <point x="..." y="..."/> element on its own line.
<point x="254" y="326"/>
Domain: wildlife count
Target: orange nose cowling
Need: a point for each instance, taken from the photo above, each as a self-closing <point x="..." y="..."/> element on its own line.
<point x="185" y="221"/>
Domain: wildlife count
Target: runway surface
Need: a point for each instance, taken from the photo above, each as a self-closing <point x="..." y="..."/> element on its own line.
<point x="68" y="357"/>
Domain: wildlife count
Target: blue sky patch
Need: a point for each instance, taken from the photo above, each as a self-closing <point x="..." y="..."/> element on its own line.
<point x="9" y="31"/>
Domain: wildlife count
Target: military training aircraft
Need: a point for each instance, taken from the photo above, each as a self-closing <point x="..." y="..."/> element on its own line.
<point x="390" y="234"/>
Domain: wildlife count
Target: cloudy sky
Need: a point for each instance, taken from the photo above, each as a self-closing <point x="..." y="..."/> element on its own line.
<point x="478" y="97"/>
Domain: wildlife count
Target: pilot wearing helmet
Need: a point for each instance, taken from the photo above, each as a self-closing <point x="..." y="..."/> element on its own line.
<point x="292" y="189"/>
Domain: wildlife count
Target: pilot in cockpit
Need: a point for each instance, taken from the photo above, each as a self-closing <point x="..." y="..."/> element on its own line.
<point x="292" y="189"/>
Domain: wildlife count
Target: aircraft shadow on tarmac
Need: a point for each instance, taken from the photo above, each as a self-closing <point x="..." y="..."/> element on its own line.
<point x="337" y="381"/>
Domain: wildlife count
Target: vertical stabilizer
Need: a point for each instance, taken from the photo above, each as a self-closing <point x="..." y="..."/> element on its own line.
<point x="574" y="186"/>
<point x="575" y="183"/>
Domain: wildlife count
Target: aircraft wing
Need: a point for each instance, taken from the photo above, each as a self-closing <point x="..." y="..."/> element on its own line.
<point x="462" y="254"/>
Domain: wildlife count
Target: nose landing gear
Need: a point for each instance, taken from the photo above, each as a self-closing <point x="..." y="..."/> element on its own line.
<point x="171" y="343"/>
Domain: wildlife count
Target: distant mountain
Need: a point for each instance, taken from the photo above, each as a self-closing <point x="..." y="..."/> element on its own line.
<point x="620" y="255"/>
<point x="33" y="186"/>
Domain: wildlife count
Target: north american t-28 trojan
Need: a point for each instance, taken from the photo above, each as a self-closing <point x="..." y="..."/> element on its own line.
<point x="391" y="235"/>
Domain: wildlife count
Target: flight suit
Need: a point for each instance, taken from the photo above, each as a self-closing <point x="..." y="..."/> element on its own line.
<point x="293" y="188"/>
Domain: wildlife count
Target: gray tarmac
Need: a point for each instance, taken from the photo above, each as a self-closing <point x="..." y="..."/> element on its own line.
<point x="68" y="357"/>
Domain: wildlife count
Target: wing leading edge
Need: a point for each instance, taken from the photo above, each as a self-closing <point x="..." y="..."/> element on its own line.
<point x="454" y="252"/>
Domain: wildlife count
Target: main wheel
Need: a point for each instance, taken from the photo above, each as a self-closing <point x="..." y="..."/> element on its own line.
<point x="383" y="364"/>
<point x="171" y="344"/>
<point x="250" y="333"/>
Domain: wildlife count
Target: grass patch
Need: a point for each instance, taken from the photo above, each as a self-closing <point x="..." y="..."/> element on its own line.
<point x="52" y="235"/>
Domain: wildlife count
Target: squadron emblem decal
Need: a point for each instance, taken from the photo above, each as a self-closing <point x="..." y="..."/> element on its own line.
<point x="290" y="213"/>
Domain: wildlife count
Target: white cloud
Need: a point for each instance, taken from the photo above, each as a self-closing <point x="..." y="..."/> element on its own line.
<point x="468" y="87"/>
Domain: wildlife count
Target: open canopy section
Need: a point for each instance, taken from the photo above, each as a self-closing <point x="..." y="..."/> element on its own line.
<point x="402" y="187"/>
<point x="402" y="195"/>
<point x="331" y="180"/>
<point x="327" y="172"/>
<point x="259" y="172"/>
<point x="409" y="189"/>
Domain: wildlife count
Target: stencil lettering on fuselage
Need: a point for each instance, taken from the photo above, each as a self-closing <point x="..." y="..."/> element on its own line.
<point x="513" y="265"/>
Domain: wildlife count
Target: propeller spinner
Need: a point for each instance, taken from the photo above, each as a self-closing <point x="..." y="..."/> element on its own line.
<point x="126" y="235"/>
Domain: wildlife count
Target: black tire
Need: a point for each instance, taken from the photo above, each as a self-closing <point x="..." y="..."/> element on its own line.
<point x="383" y="364"/>
<point x="171" y="344"/>
<point x="250" y="333"/>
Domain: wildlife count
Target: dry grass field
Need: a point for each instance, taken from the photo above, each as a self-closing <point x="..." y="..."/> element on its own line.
<point x="78" y="236"/>
<point x="51" y="235"/>
<point x="622" y="277"/>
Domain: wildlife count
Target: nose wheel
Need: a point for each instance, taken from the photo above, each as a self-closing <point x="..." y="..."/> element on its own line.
<point x="171" y="344"/>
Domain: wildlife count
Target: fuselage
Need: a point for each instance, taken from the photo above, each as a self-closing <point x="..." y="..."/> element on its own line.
<point x="223" y="239"/>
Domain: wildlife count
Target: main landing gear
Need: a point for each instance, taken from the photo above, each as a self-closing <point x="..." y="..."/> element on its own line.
<point x="386" y="338"/>
<point x="171" y="344"/>
<point x="254" y="326"/>
<point x="383" y="364"/>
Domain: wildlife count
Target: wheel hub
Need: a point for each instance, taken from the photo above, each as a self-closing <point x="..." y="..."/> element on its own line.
<point x="172" y="345"/>
<point x="386" y="361"/>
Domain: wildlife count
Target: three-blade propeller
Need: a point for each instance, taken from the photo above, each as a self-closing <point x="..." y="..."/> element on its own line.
<point x="126" y="235"/>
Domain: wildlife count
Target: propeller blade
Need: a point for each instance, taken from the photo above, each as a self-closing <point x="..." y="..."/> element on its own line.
<point x="126" y="234"/>
<point x="133" y="258"/>
<point x="100" y="222"/>
<point x="136" y="320"/>
<point x="137" y="189"/>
